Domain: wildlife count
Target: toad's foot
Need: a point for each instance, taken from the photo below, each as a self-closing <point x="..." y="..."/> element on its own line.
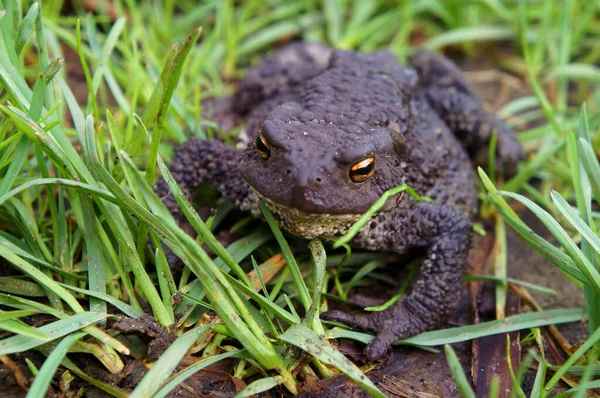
<point x="391" y="325"/>
<point x="446" y="233"/>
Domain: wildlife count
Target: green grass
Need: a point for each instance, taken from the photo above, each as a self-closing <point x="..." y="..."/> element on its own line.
<point x="77" y="208"/>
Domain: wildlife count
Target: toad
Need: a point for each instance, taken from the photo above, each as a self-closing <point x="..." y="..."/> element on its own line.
<point x="329" y="132"/>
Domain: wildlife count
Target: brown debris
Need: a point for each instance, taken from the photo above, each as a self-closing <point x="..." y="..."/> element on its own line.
<point x="489" y="353"/>
<point x="107" y="7"/>
<point x="145" y="325"/>
<point x="17" y="374"/>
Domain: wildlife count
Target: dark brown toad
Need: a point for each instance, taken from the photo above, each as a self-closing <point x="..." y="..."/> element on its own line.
<point x="330" y="132"/>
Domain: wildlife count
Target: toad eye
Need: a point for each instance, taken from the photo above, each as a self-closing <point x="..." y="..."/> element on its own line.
<point x="262" y="146"/>
<point x="362" y="170"/>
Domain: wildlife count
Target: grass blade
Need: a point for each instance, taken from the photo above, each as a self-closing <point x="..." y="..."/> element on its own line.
<point x="584" y="265"/>
<point x="289" y="257"/>
<point x="576" y="221"/>
<point x="259" y="386"/>
<point x="470" y="332"/>
<point x="41" y="383"/>
<point x="470" y="34"/>
<point x="125" y="308"/>
<point x="22" y="329"/>
<point x="362" y="221"/>
<point x="41" y="278"/>
<point x="153" y="381"/>
<point x="590" y="163"/>
<point x="317" y="346"/>
<point x="54" y="330"/>
<point x="589" y="343"/>
<point x="458" y="373"/>
<point x="180" y="377"/>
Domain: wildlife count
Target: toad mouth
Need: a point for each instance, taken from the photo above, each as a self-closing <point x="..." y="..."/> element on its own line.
<point x="310" y="225"/>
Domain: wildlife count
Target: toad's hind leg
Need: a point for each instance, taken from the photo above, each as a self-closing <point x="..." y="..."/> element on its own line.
<point x="449" y="93"/>
<point x="200" y="162"/>
<point x="282" y="71"/>
<point x="446" y="233"/>
<point x="272" y="82"/>
<point x="277" y="80"/>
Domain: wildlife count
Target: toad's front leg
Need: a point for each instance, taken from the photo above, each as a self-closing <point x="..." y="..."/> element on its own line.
<point x="446" y="233"/>
<point x="213" y="162"/>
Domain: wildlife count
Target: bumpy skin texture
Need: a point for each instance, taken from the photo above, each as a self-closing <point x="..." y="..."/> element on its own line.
<point x="321" y="112"/>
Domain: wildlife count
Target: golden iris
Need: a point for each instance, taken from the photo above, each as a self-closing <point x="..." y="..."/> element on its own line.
<point x="362" y="170"/>
<point x="262" y="146"/>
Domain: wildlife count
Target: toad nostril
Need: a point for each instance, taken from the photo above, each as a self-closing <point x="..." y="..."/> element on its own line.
<point x="288" y="171"/>
<point x="319" y="179"/>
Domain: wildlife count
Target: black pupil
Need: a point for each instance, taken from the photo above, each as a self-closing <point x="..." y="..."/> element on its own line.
<point x="363" y="171"/>
<point x="260" y="145"/>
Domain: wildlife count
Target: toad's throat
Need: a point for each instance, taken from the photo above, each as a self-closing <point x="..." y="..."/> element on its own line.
<point x="310" y="225"/>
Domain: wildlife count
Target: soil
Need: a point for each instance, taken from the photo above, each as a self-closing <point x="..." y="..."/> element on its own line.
<point x="146" y="326"/>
